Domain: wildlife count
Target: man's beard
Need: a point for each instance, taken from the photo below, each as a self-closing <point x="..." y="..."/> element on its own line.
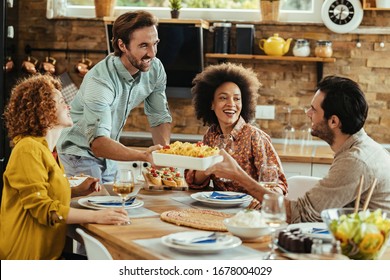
<point x="323" y="132"/>
<point x="138" y="63"/>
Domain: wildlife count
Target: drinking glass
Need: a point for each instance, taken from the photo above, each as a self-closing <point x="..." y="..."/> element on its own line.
<point x="268" y="177"/>
<point x="305" y="131"/>
<point x="306" y="127"/>
<point x="123" y="185"/>
<point x="289" y="130"/>
<point x="225" y="141"/>
<point x="273" y="213"/>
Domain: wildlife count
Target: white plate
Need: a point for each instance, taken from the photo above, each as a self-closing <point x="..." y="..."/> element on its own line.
<point x="202" y="197"/>
<point x="185" y="238"/>
<point x="185" y="161"/>
<point x="235" y="241"/>
<point x="99" y="201"/>
<point x="84" y="202"/>
<point x="207" y="195"/>
<point x="307" y="229"/>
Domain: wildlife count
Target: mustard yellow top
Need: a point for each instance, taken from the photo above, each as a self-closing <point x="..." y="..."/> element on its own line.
<point x="34" y="188"/>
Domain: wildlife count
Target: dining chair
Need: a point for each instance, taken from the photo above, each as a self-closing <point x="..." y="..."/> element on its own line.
<point x="299" y="185"/>
<point x="95" y="249"/>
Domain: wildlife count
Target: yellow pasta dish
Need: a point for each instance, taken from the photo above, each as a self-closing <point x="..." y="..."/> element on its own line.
<point x="189" y="149"/>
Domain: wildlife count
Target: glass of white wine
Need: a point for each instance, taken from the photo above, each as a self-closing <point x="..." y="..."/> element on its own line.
<point x="273" y="212"/>
<point x="268" y="177"/>
<point x="124" y="185"/>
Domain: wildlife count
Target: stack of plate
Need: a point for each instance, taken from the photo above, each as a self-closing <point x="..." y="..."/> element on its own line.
<point x="200" y="241"/>
<point x="222" y="198"/>
<point x="101" y="202"/>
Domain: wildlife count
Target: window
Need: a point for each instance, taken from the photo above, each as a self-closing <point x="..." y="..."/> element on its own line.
<point x="248" y="10"/>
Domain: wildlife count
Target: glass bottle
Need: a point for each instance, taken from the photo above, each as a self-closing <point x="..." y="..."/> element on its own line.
<point x="323" y="49"/>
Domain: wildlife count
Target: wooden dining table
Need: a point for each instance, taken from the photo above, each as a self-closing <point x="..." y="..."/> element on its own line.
<point x="120" y="240"/>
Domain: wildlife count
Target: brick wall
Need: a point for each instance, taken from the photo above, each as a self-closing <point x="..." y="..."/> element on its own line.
<point x="284" y="83"/>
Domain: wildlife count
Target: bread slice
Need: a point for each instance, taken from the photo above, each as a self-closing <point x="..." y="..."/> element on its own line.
<point x="179" y="181"/>
<point x="168" y="181"/>
<point x="155" y="179"/>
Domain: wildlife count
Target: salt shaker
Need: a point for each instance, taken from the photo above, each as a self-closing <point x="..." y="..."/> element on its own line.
<point x="301" y="48"/>
<point x="336" y="247"/>
<point x="316" y="248"/>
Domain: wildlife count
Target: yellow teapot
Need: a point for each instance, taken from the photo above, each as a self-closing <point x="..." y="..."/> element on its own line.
<point x="275" y="45"/>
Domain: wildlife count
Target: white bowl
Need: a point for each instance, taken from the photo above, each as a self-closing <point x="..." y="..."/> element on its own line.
<point x="246" y="233"/>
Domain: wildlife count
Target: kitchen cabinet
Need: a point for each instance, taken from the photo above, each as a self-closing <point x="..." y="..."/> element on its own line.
<point x="136" y="166"/>
<point x="318" y="60"/>
<point x="296" y="168"/>
<point x="319" y="170"/>
<point x="305" y="169"/>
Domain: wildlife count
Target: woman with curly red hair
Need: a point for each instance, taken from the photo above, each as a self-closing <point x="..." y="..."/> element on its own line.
<point x="35" y="206"/>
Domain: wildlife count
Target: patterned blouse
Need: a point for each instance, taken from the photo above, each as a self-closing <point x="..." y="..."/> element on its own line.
<point x="252" y="148"/>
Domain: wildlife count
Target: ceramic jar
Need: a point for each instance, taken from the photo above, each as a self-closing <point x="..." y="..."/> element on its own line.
<point x="324" y="49"/>
<point x="301" y="48"/>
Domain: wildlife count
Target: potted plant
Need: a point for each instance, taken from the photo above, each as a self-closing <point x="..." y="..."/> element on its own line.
<point x="175" y="6"/>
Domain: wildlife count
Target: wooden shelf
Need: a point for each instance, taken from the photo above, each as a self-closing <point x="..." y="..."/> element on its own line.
<point x="197" y="22"/>
<point x="318" y="60"/>
<point x="267" y="57"/>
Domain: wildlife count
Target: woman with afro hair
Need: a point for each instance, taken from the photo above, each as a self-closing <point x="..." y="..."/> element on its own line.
<point x="225" y="99"/>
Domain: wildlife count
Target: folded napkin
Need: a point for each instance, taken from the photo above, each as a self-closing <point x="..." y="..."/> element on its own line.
<point x="206" y="239"/>
<point x="112" y="202"/>
<point x="320" y="231"/>
<point x="218" y="195"/>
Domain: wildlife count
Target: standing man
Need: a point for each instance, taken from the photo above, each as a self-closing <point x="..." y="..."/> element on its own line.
<point x="108" y="93"/>
<point x="338" y="112"/>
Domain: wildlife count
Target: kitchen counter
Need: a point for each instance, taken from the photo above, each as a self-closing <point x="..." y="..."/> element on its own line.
<point x="315" y="151"/>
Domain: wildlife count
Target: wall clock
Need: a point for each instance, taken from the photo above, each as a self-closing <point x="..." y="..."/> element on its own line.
<point x="342" y="16"/>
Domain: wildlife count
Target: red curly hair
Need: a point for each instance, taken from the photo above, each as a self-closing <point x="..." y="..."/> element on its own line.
<point x="31" y="110"/>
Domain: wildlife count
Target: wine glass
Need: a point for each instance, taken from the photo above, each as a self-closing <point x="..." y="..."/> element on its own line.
<point x="305" y="130"/>
<point x="289" y="130"/>
<point x="268" y="177"/>
<point x="273" y="213"/>
<point x="225" y="141"/>
<point x="123" y="185"/>
<point x="306" y="127"/>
